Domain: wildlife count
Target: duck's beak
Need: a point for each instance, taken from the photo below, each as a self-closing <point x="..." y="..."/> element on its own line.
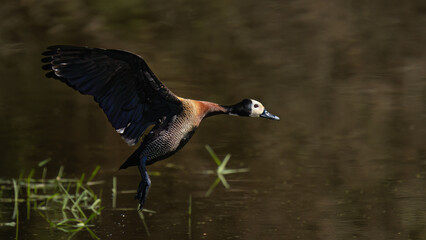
<point x="267" y="114"/>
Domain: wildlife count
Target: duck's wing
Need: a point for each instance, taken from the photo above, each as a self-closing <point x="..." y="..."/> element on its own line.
<point x="126" y="89"/>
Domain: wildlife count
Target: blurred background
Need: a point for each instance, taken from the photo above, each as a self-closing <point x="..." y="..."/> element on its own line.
<point x="348" y="79"/>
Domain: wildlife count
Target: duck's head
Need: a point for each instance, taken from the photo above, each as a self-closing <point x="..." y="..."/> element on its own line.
<point x="250" y="108"/>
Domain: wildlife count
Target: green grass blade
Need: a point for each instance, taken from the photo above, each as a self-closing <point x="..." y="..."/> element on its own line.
<point x="223" y="180"/>
<point x="96" y="206"/>
<point x="78" y="200"/>
<point x="213" y="155"/>
<point x="92" y="234"/>
<point x="212" y="187"/>
<point x="114" y="192"/>
<point x="223" y="165"/>
<point x="94" y="173"/>
<point x="15" y="209"/>
<point x="43" y="177"/>
<point x="29" y="178"/>
<point x="44" y="162"/>
<point x="79" y="184"/>
<point x="16" y="190"/>
<point x="17" y="227"/>
<point x="61" y="171"/>
<point x="238" y="170"/>
<point x="93" y="215"/>
<point x="70" y="198"/>
<point x="144" y="223"/>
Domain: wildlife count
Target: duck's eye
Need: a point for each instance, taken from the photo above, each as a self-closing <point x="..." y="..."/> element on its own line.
<point x="256" y="106"/>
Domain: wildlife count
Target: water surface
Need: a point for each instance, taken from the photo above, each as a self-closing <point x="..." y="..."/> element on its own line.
<point x="347" y="160"/>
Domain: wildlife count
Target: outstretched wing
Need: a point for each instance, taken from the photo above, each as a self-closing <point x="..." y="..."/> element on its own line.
<point x="126" y="89"/>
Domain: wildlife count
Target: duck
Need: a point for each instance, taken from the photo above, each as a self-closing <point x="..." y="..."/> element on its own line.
<point x="137" y="104"/>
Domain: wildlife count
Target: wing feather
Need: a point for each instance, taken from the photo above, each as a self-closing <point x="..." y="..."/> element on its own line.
<point x="126" y="89"/>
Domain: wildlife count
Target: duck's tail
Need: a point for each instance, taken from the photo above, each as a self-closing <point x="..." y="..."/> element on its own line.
<point x="133" y="159"/>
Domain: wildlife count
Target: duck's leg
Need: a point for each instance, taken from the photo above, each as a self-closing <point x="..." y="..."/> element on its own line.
<point x="144" y="184"/>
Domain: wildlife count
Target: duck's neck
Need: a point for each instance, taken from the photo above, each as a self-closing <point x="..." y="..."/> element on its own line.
<point x="208" y="109"/>
<point x="238" y="109"/>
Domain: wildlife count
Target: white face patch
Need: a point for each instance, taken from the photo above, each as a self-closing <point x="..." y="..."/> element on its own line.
<point x="256" y="108"/>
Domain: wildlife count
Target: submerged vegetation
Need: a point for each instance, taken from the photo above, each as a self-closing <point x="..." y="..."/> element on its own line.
<point x="74" y="198"/>
<point x="78" y="203"/>
<point x="221" y="170"/>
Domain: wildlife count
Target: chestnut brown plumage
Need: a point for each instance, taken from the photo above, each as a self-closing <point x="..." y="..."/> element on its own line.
<point x="133" y="99"/>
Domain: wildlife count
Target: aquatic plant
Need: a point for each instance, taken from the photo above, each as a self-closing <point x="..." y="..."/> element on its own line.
<point x="221" y="170"/>
<point x="70" y="195"/>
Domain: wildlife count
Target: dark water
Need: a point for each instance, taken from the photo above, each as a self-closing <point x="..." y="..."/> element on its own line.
<point x="348" y="79"/>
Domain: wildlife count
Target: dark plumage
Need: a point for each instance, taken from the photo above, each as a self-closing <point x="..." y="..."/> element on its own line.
<point x="134" y="99"/>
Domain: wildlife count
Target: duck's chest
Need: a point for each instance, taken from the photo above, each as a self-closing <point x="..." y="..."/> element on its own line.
<point x="171" y="138"/>
<point x="180" y="130"/>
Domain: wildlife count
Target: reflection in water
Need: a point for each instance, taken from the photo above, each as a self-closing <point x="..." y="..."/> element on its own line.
<point x="347" y="159"/>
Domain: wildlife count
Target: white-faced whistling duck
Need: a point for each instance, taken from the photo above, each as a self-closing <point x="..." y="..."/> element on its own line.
<point x="134" y="99"/>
